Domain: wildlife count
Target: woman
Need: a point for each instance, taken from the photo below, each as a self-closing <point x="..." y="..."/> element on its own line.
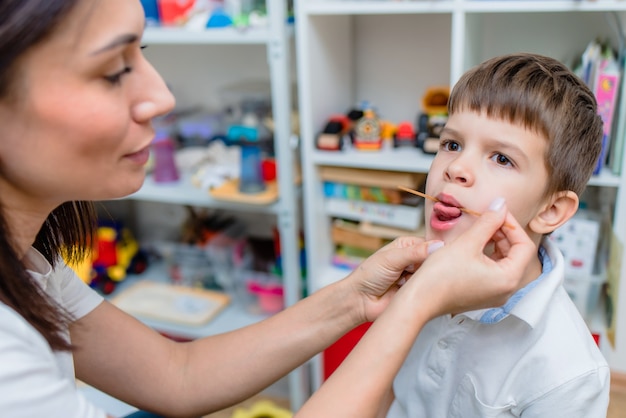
<point x="76" y="101"/>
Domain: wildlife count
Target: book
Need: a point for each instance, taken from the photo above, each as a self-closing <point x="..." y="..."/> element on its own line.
<point x="606" y="91"/>
<point x="617" y="149"/>
<point x="388" y="232"/>
<point x="371" y="178"/>
<point x="399" y="216"/>
<point x="170" y="303"/>
<point x="348" y="233"/>
<point x="359" y="192"/>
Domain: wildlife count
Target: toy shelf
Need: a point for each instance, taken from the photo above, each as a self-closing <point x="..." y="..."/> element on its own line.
<point x="198" y="65"/>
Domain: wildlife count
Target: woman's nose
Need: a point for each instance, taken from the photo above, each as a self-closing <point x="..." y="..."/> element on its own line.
<point x="154" y="97"/>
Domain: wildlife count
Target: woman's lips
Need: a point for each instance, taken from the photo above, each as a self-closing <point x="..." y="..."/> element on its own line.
<point x="140" y="157"/>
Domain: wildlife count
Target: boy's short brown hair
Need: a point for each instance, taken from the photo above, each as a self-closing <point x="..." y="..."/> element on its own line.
<point x="542" y="95"/>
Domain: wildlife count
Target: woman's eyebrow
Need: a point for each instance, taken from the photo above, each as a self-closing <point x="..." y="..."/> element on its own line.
<point x="120" y="40"/>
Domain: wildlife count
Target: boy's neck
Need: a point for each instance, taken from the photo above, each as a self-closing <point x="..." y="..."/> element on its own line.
<point x="533" y="270"/>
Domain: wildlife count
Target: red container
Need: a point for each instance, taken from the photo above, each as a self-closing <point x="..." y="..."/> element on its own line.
<point x="334" y="355"/>
<point x="174" y="12"/>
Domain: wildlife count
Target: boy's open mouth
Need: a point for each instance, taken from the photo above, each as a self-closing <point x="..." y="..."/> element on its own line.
<point x="445" y="212"/>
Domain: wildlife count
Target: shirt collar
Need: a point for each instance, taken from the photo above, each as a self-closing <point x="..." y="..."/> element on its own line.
<point x="529" y="309"/>
<point x="38" y="267"/>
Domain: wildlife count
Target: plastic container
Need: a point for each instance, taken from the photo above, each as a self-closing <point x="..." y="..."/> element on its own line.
<point x="151" y="11"/>
<point x="261" y="293"/>
<point x="189" y="266"/>
<point x="175" y="12"/>
<point x="165" y="170"/>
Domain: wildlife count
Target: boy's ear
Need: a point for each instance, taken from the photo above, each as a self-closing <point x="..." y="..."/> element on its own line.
<point x="558" y="210"/>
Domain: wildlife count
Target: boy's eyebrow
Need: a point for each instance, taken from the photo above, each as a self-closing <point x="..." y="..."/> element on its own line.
<point x="492" y="142"/>
<point x="447" y="129"/>
<point x="505" y="146"/>
<point x="124" y="39"/>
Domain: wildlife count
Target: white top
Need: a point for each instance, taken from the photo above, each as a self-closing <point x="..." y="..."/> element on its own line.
<point x="536" y="358"/>
<point x="34" y="380"/>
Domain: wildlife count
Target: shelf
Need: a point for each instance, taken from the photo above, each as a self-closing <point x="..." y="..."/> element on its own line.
<point x="411" y="160"/>
<point x="381" y="7"/>
<point x="355" y="7"/>
<point x="183" y="192"/>
<point x="511" y="6"/>
<point x="605" y="179"/>
<point x="232" y="317"/>
<point x="217" y="36"/>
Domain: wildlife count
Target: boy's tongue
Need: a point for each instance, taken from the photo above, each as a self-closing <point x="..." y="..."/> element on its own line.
<point x="444" y="211"/>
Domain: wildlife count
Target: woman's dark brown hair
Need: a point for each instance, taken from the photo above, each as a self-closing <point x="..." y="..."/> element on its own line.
<point x="69" y="228"/>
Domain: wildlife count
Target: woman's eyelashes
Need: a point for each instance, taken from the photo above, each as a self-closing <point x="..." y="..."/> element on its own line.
<point x="116" y="78"/>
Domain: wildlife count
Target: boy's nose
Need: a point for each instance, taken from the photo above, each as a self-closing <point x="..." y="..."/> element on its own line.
<point x="458" y="172"/>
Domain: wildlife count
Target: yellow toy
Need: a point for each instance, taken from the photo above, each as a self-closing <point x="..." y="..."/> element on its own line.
<point x="263" y="409"/>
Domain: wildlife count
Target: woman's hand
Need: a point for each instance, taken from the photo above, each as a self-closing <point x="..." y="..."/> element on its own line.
<point x="460" y="277"/>
<point x="375" y="281"/>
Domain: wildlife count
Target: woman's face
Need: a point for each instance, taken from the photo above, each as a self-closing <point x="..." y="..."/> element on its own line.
<point x="77" y="125"/>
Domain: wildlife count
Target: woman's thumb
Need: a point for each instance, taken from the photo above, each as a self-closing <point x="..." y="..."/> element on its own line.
<point x="489" y="222"/>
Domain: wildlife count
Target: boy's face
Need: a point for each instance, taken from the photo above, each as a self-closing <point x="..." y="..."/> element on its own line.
<point x="481" y="158"/>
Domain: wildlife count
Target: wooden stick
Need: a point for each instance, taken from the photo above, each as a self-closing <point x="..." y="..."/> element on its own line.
<point x="434" y="199"/>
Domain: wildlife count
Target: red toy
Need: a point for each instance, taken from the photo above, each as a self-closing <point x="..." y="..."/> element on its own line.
<point x="404" y="135"/>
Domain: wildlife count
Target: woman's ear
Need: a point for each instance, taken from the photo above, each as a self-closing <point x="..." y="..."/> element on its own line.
<point x="558" y="210"/>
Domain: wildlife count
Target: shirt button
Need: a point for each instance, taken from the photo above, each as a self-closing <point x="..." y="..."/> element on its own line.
<point x="442" y="344"/>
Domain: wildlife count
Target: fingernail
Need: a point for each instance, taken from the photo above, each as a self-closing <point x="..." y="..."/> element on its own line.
<point x="496" y="204"/>
<point x="434" y="246"/>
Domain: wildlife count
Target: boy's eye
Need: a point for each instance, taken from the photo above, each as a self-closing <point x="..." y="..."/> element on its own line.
<point x="448" y="145"/>
<point x="116" y="78"/>
<point x="502" y="160"/>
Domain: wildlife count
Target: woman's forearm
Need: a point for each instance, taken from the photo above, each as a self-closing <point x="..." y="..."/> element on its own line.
<point x="364" y="379"/>
<point x="236" y="365"/>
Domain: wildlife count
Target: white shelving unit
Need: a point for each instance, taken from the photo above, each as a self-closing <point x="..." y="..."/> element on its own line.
<point x="389" y="52"/>
<point x="184" y="55"/>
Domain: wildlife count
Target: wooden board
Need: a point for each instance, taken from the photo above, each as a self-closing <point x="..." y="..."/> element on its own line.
<point x="229" y="190"/>
<point x="169" y="303"/>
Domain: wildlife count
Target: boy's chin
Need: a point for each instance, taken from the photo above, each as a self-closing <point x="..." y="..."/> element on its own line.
<point x="445" y="236"/>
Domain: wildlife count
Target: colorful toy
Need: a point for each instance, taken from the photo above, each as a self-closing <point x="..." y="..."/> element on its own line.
<point x="435" y="100"/>
<point x="368" y="132"/>
<point x="404" y="135"/>
<point x="432" y="119"/>
<point x="115" y="254"/>
<point x="331" y="138"/>
<point x="263" y="409"/>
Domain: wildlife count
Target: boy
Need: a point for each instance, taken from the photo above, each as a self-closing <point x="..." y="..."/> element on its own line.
<point x="525" y="128"/>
